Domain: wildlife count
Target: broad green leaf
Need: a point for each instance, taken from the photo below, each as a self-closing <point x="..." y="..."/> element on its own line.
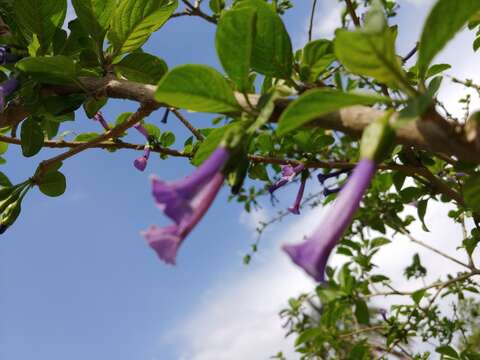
<point x="4" y="180"/>
<point x="447" y="351"/>
<point x="234" y="43"/>
<point x="95" y="15"/>
<point x="31" y="136"/>
<point x="418" y="295"/>
<point x="471" y="192"/>
<point x="316" y="58"/>
<point x="361" y="312"/>
<point x="272" y="49"/>
<point x="135" y="20"/>
<point x="40" y="17"/>
<point x="51" y="70"/>
<point x="315" y="103"/>
<point x="197" y="88"/>
<point x="210" y="143"/>
<point x="371" y="51"/>
<point x="53" y="184"/>
<point x="89" y="136"/>
<point x="444" y="21"/>
<point x="142" y="67"/>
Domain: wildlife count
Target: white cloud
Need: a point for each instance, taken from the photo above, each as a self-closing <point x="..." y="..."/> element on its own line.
<point x="238" y="317"/>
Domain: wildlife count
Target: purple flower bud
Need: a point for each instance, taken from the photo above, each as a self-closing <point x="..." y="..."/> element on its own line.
<point x="141" y="162"/>
<point x="288" y="174"/>
<point x="141" y="129"/>
<point x="6" y="88"/>
<point x="312" y="255"/>
<point x="185" y="202"/>
<point x="6" y="57"/>
<point x="328" y="191"/>
<point x="324" y="177"/>
<point x="99" y="117"/>
<point x="295" y="209"/>
<point x="165" y="116"/>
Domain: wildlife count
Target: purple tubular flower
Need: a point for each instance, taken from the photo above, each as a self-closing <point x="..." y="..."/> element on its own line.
<point x="141" y="129"/>
<point x="312" y="255"/>
<point x="6" y="88"/>
<point x="141" y="162"/>
<point x="99" y="117"/>
<point x="295" y="209"/>
<point x="288" y="174"/>
<point x="185" y="202"/>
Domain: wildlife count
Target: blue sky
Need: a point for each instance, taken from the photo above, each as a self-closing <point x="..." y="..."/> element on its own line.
<point x="78" y="282"/>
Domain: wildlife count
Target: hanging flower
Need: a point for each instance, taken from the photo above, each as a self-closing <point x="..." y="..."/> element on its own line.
<point x="6" y="88"/>
<point x="141" y="129"/>
<point x="6" y="57"/>
<point x="141" y="162"/>
<point x="185" y="202"/>
<point x="295" y="208"/>
<point x="312" y="255"/>
<point x="288" y="174"/>
<point x="99" y="117"/>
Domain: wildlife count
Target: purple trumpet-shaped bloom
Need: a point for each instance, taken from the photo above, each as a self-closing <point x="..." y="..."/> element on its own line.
<point x="6" y="88"/>
<point x="295" y="208"/>
<point x="141" y="129"/>
<point x="312" y="255"/>
<point x="288" y="174"/>
<point x="99" y="117"/>
<point x="185" y="202"/>
<point x="141" y="162"/>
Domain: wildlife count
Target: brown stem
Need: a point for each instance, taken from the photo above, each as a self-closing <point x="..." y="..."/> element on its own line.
<point x="188" y="124"/>
<point x="352" y="12"/>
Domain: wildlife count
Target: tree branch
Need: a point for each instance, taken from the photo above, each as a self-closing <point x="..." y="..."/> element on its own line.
<point x="432" y="132"/>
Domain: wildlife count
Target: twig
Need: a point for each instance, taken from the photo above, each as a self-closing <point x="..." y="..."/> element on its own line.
<point x="312" y="16"/>
<point x="142" y="112"/>
<point x="187" y="124"/>
<point x="410" y="53"/>
<point x="353" y="14"/>
<point x="195" y="11"/>
<point x="115" y="145"/>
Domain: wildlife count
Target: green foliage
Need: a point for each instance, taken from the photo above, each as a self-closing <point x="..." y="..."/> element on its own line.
<point x="142" y="67"/>
<point x="135" y="20"/>
<point x="197" y="88"/>
<point x="51" y="70"/>
<point x="31" y="136"/>
<point x="316" y="103"/>
<point x="234" y="42"/>
<point x="53" y="184"/>
<point x="437" y="32"/>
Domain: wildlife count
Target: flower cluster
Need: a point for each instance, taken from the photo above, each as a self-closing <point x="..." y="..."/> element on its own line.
<point x="185" y="202"/>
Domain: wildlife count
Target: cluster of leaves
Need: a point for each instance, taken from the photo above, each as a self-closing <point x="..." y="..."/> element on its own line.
<point x="63" y="71"/>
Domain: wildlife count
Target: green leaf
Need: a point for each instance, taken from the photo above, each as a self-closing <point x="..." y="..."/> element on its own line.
<point x="308" y="335"/>
<point x="92" y="106"/>
<point x="422" y="210"/>
<point x="135" y="20"/>
<point x="86" y="136"/>
<point x="315" y="103"/>
<point x="316" y="58"/>
<point x="371" y="51"/>
<point x="445" y="19"/>
<point x="197" y="88"/>
<point x="31" y="136"/>
<point x="51" y="70"/>
<point x="361" y="312"/>
<point x="167" y="139"/>
<point x="447" y="351"/>
<point x="40" y="17"/>
<point x="272" y="49"/>
<point x="418" y="295"/>
<point x="210" y="144"/>
<point x="4" y="180"/>
<point x="95" y="15"/>
<point x="471" y="192"/>
<point x="53" y="184"/>
<point x="142" y="67"/>
<point x="234" y="43"/>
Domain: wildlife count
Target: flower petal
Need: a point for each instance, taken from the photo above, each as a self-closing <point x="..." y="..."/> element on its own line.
<point x="165" y="241"/>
